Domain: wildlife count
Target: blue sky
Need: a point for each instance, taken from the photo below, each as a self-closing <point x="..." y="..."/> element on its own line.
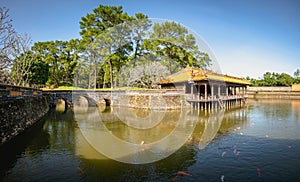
<point x="246" y="37"/>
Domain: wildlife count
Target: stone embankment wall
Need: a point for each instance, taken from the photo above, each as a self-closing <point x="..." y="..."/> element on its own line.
<point x="19" y="113"/>
<point x="272" y="93"/>
<point x="296" y="87"/>
<point x="151" y="101"/>
<point x="270" y="89"/>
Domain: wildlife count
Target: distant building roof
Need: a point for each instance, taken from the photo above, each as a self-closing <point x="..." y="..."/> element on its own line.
<point x="198" y="74"/>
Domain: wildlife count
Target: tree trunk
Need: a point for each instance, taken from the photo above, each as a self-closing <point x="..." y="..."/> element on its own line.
<point x="76" y="78"/>
<point x="95" y="76"/>
<point x="136" y="51"/>
<point x="111" y="74"/>
<point x="90" y="77"/>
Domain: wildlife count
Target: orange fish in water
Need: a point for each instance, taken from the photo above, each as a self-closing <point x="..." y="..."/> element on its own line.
<point x="183" y="173"/>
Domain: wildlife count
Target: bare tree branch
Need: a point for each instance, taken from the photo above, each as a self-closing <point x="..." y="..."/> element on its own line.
<point x="7" y="41"/>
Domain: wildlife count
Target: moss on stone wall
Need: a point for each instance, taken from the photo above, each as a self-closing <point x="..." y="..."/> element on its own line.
<point x="19" y="113"/>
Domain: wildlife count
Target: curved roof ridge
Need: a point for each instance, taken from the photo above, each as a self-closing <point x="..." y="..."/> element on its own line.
<point x="199" y="74"/>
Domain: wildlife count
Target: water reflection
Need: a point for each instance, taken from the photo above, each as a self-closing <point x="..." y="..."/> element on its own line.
<point x="211" y="124"/>
<point x="296" y="110"/>
<point x="28" y="143"/>
<point x="274" y="119"/>
<point x="234" y="143"/>
<point x="208" y="126"/>
<point x="141" y="136"/>
<point x="140" y="144"/>
<point x="163" y="170"/>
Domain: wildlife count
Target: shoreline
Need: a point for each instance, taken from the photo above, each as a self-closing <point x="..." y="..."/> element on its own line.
<point x="284" y="95"/>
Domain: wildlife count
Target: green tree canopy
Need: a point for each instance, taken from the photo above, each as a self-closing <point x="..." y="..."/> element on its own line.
<point x="174" y="40"/>
<point x="102" y="18"/>
<point x="273" y="79"/>
<point x="284" y="80"/>
<point x="61" y="58"/>
<point x="297" y="76"/>
<point x="97" y="38"/>
<point x="110" y="39"/>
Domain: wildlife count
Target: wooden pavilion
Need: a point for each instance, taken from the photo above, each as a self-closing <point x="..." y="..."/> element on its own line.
<point x="206" y="89"/>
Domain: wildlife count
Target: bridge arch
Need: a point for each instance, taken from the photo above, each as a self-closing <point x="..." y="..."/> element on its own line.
<point x="80" y="103"/>
<point x="104" y="102"/>
<point x="70" y="97"/>
<point x="61" y="104"/>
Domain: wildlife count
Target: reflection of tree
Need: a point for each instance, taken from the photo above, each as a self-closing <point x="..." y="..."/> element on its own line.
<point x="207" y="127"/>
<point x="60" y="127"/>
<point x="137" y="145"/>
<point x="32" y="140"/>
<point x="104" y="168"/>
<point x="39" y="141"/>
<point x="164" y="123"/>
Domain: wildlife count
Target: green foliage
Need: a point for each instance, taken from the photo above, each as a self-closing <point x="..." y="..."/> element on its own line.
<point x="297" y="76"/>
<point x="284" y="80"/>
<point x="270" y="79"/>
<point x="174" y="41"/>
<point x="55" y="63"/>
<point x="95" y="31"/>
<point x="104" y="36"/>
<point x="39" y="73"/>
<point x="297" y="73"/>
<point x="274" y="79"/>
<point x="101" y="19"/>
<point x="61" y="59"/>
<point x="297" y="80"/>
<point x="138" y="31"/>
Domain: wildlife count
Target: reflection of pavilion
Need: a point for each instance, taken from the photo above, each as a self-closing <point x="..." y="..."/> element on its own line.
<point x="207" y="89"/>
<point x="210" y="124"/>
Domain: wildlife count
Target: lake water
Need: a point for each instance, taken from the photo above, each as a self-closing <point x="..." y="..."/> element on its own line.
<point x="260" y="142"/>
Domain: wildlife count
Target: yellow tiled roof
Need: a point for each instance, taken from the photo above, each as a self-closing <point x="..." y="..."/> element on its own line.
<point x="197" y="74"/>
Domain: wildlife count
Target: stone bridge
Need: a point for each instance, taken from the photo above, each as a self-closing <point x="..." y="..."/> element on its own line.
<point x="93" y="97"/>
<point x="128" y="98"/>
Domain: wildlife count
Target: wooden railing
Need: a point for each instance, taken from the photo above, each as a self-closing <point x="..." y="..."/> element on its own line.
<point x="196" y="97"/>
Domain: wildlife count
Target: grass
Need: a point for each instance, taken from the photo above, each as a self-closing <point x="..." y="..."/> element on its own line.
<point x="104" y="89"/>
<point x="63" y="88"/>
